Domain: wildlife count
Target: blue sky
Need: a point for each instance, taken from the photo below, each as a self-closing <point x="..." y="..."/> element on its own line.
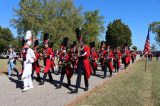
<point x="137" y="14"/>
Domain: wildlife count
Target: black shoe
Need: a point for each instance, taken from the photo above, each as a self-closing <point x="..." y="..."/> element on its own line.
<point x="68" y="85"/>
<point x="86" y="89"/>
<point x="110" y="76"/>
<point x="19" y="77"/>
<point x="74" y="91"/>
<point x="38" y="79"/>
<point x="104" y="76"/>
<point x="51" y="80"/>
<point x="41" y="83"/>
<point x="58" y="86"/>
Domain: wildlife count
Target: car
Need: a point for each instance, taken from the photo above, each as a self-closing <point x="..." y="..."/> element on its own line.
<point x="3" y="56"/>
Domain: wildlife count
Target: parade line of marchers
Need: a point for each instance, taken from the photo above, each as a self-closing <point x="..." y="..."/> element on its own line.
<point x="79" y="58"/>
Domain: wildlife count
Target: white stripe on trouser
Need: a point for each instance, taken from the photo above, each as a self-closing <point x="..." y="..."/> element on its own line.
<point x="28" y="81"/>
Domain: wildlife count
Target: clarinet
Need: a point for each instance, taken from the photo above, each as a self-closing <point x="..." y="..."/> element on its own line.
<point x="116" y="56"/>
<point x="108" y="59"/>
<point x="45" y="56"/>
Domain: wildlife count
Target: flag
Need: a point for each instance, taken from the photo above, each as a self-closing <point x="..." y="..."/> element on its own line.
<point x="147" y="47"/>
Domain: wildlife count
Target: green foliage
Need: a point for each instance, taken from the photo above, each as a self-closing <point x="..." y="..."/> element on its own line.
<point x="153" y="47"/>
<point x="93" y="25"/>
<point x="57" y="17"/>
<point x="155" y="28"/>
<point x="134" y="48"/>
<point x="6" y="38"/>
<point x="118" y="34"/>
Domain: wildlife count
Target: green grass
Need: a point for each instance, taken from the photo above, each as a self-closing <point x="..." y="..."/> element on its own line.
<point x="4" y="65"/>
<point x="133" y="87"/>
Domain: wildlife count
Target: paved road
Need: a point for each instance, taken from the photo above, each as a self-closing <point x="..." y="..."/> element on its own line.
<point x="42" y="95"/>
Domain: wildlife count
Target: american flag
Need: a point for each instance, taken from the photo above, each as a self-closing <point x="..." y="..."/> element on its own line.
<point x="147" y="47"/>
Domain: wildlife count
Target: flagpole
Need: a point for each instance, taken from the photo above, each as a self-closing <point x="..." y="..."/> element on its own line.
<point x="147" y="49"/>
<point x="146" y="64"/>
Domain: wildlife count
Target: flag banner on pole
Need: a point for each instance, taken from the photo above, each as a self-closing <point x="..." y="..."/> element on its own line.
<point x="147" y="47"/>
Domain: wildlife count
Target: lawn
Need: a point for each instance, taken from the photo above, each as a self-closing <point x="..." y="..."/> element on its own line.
<point x="4" y="65"/>
<point x="132" y="87"/>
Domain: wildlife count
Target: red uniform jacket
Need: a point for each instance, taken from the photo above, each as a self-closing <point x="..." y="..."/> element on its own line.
<point x="101" y="56"/>
<point x="109" y="58"/>
<point x="69" y="71"/>
<point x="36" y="65"/>
<point x="119" y="56"/>
<point x="87" y="66"/>
<point x="47" y="61"/>
<point x="52" y="62"/>
<point x="95" y="57"/>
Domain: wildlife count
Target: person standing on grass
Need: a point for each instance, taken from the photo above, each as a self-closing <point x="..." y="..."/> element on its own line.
<point x="12" y="62"/>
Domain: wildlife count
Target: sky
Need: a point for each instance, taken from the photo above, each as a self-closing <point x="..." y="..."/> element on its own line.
<point x="137" y="14"/>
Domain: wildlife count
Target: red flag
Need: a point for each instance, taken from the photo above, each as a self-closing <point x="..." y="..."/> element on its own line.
<point x="147" y="47"/>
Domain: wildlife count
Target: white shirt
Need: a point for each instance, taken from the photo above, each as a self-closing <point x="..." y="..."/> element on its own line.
<point x="11" y="55"/>
<point x="30" y="56"/>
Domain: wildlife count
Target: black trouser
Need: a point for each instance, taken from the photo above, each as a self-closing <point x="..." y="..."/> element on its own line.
<point x="124" y="62"/>
<point x="116" y="65"/>
<point x="38" y="75"/>
<point x="80" y="71"/>
<point x="105" y="69"/>
<point x="132" y="59"/>
<point x="49" y="75"/>
<point x="94" y="70"/>
<point x="63" y="72"/>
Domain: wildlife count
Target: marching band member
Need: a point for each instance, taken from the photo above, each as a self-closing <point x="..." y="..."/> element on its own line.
<point x="93" y="57"/>
<point x="133" y="55"/>
<point x="108" y="57"/>
<point x="125" y="56"/>
<point x="74" y="55"/>
<point x="36" y="66"/>
<point x="116" y="59"/>
<point x="65" y="64"/>
<point x="28" y="60"/>
<point x="101" y="54"/>
<point x="47" y="55"/>
<point x="83" y="65"/>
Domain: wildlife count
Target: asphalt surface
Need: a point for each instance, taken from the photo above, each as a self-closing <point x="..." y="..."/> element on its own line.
<point x="43" y="95"/>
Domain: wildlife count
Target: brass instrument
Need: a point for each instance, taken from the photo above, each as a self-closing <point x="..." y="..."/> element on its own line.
<point x="116" y="56"/>
<point x="44" y="55"/>
<point x="63" y="63"/>
<point x="107" y="58"/>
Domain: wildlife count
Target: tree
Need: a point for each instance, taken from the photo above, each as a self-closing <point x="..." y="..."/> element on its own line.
<point x="59" y="18"/>
<point x="134" y="48"/>
<point x="153" y="47"/>
<point x="6" y="38"/>
<point x="28" y="16"/>
<point x="118" y="34"/>
<point x="93" y="25"/>
<point x="155" y="28"/>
